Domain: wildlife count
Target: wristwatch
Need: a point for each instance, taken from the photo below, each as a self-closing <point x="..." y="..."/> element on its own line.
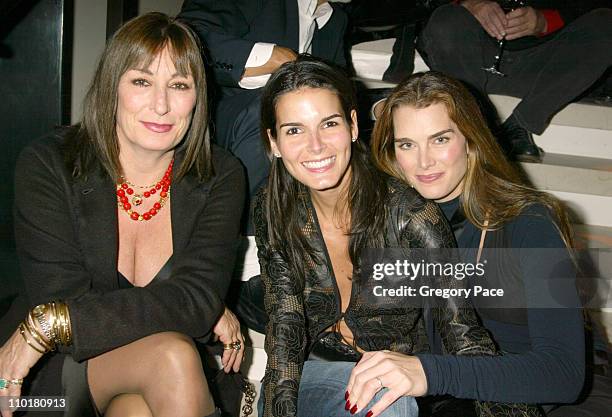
<point x="39" y="313"/>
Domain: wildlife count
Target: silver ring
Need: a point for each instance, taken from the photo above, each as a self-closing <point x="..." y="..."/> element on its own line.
<point x="380" y="382"/>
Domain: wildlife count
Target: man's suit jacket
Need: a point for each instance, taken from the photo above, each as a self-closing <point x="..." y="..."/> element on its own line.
<point x="230" y="28"/>
<point x="67" y="243"/>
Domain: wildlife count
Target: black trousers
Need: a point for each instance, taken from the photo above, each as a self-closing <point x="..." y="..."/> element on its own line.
<point x="546" y="76"/>
<point x="237" y="130"/>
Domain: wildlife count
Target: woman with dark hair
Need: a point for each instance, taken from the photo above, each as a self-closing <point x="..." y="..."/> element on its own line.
<point x="124" y="276"/>
<point x="432" y="135"/>
<point x="324" y="205"/>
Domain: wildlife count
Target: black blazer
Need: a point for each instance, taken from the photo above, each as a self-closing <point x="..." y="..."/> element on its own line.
<point x="67" y="244"/>
<point x="230" y="28"/>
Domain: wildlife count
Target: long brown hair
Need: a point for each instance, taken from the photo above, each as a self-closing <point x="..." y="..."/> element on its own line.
<point x="492" y="184"/>
<point x="285" y="197"/>
<point x="135" y="45"/>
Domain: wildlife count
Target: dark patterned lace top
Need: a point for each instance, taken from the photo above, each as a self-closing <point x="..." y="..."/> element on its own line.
<point x="299" y="312"/>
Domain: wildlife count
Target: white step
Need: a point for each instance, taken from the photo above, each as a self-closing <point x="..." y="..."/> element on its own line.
<point x="371" y="59"/>
<point x="576" y="114"/>
<point x="579" y="129"/>
<point x="580" y="141"/>
<point x="584" y="184"/>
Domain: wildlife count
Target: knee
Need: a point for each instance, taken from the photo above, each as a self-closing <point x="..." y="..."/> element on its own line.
<point x="128" y="405"/>
<point x="442" y="30"/>
<point x="602" y="24"/>
<point x="176" y="355"/>
<point x="597" y="25"/>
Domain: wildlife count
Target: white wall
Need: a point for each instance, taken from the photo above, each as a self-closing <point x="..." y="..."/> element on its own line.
<point x="89" y="41"/>
<point x="90" y="38"/>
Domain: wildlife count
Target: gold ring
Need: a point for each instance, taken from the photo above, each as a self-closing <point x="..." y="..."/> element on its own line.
<point x="232" y="346"/>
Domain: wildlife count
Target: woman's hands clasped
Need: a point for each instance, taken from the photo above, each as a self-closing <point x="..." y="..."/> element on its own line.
<point x="401" y="374"/>
<point x="227" y="330"/>
<point x="16" y="360"/>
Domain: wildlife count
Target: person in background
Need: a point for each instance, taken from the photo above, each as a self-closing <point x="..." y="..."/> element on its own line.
<point x="555" y="51"/>
<point x="432" y="135"/>
<point x="127" y="226"/>
<point x="247" y="41"/>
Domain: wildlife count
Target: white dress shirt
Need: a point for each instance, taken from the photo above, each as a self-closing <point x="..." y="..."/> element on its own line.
<point x="310" y="16"/>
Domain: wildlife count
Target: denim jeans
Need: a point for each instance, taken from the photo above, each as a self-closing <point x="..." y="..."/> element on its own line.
<point x="322" y="389"/>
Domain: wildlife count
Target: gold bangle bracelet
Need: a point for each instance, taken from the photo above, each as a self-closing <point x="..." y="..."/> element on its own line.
<point x="55" y="323"/>
<point x="61" y="323"/>
<point x="68" y="325"/>
<point x="22" y="331"/>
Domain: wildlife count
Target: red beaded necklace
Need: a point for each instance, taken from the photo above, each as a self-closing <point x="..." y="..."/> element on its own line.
<point x="126" y="189"/>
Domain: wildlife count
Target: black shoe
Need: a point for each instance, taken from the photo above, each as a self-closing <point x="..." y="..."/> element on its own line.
<point x="520" y="142"/>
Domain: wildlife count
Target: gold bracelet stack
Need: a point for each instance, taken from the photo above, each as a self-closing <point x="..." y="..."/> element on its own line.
<point x="54" y="321"/>
<point x="60" y="319"/>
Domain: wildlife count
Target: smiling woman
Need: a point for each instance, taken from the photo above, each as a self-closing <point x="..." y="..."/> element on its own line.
<point x="314" y="138"/>
<point x="324" y="206"/>
<point x="432" y="149"/>
<point x="156" y="100"/>
<point x="432" y="134"/>
<point x="126" y="230"/>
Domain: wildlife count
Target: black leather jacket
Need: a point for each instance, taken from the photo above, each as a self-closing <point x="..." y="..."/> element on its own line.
<point x="300" y="312"/>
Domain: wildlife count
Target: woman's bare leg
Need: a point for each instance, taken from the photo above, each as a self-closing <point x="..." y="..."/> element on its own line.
<point x="164" y="369"/>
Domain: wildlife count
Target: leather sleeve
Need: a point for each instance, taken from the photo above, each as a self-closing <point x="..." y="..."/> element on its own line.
<point x="286" y="330"/>
<point x="424" y="226"/>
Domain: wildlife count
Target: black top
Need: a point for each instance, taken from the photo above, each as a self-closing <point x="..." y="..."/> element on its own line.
<point x="544" y="348"/>
<point x="229" y="29"/>
<point x="67" y="244"/>
<point x="164" y="273"/>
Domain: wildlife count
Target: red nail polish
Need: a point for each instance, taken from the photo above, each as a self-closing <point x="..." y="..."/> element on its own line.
<point x="370" y="414"/>
<point x="347" y="406"/>
<point x="354" y="409"/>
<point x="346" y="396"/>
